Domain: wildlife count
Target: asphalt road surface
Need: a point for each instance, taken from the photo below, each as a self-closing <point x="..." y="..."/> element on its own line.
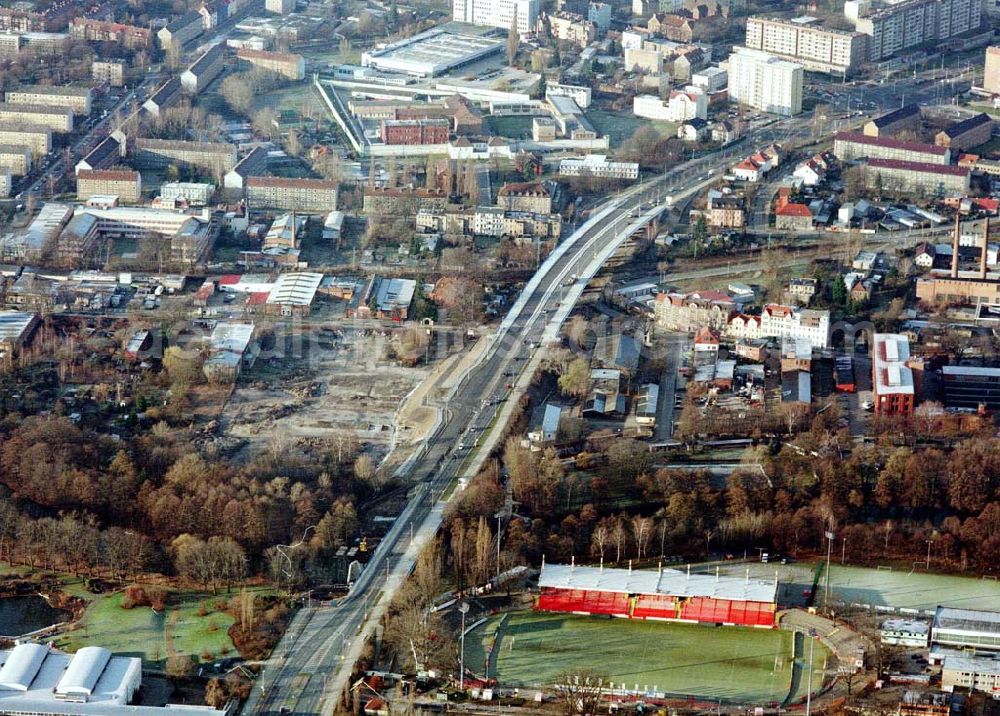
<point x="310" y="666"/>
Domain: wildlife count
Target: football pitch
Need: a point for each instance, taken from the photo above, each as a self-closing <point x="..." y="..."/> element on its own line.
<point x="734" y="663"/>
<point x="904" y="590"/>
<point x="873" y="587"/>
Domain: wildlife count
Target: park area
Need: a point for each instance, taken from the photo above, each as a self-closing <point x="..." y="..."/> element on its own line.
<point x="730" y="663"/>
<point x="189" y="625"/>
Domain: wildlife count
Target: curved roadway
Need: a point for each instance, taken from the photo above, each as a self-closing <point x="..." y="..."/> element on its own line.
<point x="310" y="667"/>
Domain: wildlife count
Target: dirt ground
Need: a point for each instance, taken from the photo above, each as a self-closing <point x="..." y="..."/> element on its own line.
<point x="334" y="384"/>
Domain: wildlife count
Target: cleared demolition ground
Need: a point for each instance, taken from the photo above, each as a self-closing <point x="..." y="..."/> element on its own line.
<point x="330" y="380"/>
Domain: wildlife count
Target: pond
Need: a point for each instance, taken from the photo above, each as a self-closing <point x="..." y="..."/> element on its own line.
<point x="20" y="615"/>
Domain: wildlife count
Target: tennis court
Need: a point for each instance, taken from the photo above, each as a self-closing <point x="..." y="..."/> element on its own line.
<point x="735" y="663"/>
<point x="905" y="590"/>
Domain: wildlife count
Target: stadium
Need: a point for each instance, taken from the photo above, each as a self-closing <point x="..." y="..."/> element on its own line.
<point x="667" y="594"/>
<point x="667" y="632"/>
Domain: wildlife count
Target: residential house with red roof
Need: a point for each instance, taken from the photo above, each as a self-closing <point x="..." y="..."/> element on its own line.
<point x="793" y="217"/>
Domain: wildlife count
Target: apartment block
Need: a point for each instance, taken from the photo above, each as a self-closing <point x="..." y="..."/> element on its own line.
<point x="215" y="157"/>
<point x="126" y="185"/>
<point x="681" y="106"/>
<point x="571" y="27"/>
<point x="916" y="178"/>
<point x="597" y="166"/>
<point x="402" y="201"/>
<point x="58" y="119"/>
<point x="415" y="131"/>
<point x="765" y="82"/>
<point x="906" y="118"/>
<point x="130" y="37"/>
<point x="813" y="46"/>
<point x="205" y="69"/>
<point x="991" y="73"/>
<point x="530" y="197"/>
<point x="279" y="7"/>
<point x="5" y="182"/>
<point x="306" y="195"/>
<point x="10" y="45"/>
<point x="285" y="64"/>
<point x="104" y="156"/>
<point x="894" y="27"/>
<point x="498" y="13"/>
<point x="16" y="157"/>
<point x="44" y="44"/>
<point x="849" y="146"/>
<point x="181" y="31"/>
<point x="966" y="134"/>
<point x="77" y="99"/>
<point x="110" y="71"/>
<point x="167" y="95"/>
<point x="36" y="137"/>
<point x="252" y="165"/>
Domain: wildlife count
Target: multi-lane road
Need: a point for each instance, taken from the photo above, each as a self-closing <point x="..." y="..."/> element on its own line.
<point x="310" y="667"/>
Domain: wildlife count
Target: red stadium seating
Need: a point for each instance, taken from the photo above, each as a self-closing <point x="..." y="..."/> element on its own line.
<point x="585" y="601"/>
<point x="727" y="611"/>
<point x="654" y="606"/>
<point x="658" y="606"/>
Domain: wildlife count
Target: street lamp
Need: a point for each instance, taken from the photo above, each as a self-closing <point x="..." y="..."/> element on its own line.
<point x="809" y="677"/>
<point x="829" y="546"/>
<point x="464" y="609"/>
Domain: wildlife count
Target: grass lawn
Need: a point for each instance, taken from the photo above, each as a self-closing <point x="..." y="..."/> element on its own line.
<point x="534" y="648"/>
<point x="919" y="590"/>
<point x="515" y="127"/>
<point x="620" y="126"/>
<point x="142" y="632"/>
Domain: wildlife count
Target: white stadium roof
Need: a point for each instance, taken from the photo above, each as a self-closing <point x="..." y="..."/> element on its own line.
<point x="295" y="289"/>
<point x="85" y="668"/>
<point x="21" y="666"/>
<point x="667" y="582"/>
<point x="970" y="621"/>
<point x="37" y="680"/>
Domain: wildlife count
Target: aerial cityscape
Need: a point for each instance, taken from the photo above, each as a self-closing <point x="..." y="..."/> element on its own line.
<point x="499" y="357"/>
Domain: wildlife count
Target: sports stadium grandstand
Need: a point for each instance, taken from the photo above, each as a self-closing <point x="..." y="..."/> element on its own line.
<point x="667" y="594"/>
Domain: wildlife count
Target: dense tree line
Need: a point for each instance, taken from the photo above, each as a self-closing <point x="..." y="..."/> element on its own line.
<point x="882" y="502"/>
<point x="85" y="502"/>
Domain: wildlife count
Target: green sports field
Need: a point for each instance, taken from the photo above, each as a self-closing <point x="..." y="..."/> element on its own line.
<point x="741" y="664"/>
<point x="901" y="589"/>
<point x="884" y="587"/>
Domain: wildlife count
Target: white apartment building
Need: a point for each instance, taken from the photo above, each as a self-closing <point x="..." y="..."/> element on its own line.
<point x="598" y="166"/>
<point x="765" y="82"/>
<point x="578" y="93"/>
<point x="140" y="222"/>
<point x="280" y="7"/>
<point x="191" y="192"/>
<point x="77" y="99"/>
<point x="711" y="79"/>
<point x="805" y="41"/>
<point x="893" y="27"/>
<point x="498" y="13"/>
<point x="681" y="106"/>
<point x="905" y="632"/>
<point x="784" y="322"/>
<point x="972" y="672"/>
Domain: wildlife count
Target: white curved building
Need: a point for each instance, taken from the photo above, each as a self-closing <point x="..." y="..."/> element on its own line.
<point x="36" y="680"/>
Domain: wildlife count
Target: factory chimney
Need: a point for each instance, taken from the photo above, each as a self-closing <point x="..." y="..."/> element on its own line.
<point x="986" y="246"/>
<point x="954" y="249"/>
